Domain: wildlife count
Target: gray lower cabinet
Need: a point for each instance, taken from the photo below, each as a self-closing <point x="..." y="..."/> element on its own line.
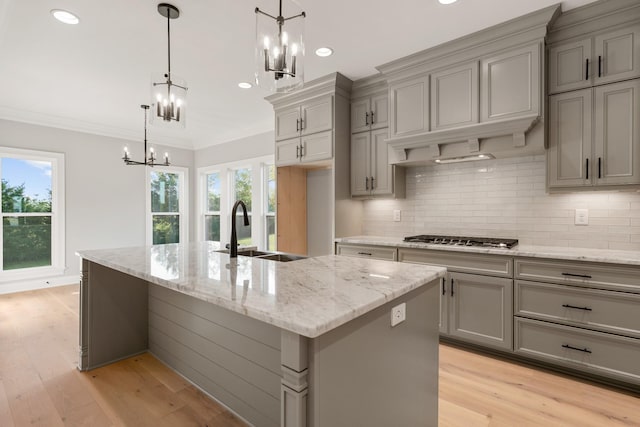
<point x="365" y="251"/>
<point x="474" y="307"/>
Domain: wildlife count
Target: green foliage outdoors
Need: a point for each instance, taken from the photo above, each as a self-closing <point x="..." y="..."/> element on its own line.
<point x="26" y="239"/>
<point x="165" y="196"/>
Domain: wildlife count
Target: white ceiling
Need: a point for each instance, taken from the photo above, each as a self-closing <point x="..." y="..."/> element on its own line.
<point x="93" y="76"/>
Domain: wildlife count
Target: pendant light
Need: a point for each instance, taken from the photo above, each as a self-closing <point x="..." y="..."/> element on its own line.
<point x="168" y="91"/>
<point x="279" y="50"/>
<point x="148" y="161"/>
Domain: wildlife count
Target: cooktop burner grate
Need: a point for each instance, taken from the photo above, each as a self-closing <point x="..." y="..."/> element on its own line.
<point x="463" y="241"/>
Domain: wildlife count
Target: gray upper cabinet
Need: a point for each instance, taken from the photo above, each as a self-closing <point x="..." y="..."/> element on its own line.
<point x="305" y="119"/>
<point x="288" y="123"/>
<point x="371" y="173"/>
<point x="593" y="135"/>
<point x="510" y="84"/>
<point x="409" y="107"/>
<point x="604" y="58"/>
<point x="370" y="113"/>
<point x="454" y="96"/>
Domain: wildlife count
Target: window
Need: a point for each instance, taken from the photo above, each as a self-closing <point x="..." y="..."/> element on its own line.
<point x="253" y="182"/>
<point x="166" y="206"/>
<point x="32" y="227"/>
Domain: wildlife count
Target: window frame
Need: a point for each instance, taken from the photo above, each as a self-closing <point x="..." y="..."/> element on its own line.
<point x="57" y="214"/>
<point x="227" y="194"/>
<point x="183" y="202"/>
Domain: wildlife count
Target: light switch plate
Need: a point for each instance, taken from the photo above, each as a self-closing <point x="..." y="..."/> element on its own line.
<point x="396" y="215"/>
<point x="582" y="217"/>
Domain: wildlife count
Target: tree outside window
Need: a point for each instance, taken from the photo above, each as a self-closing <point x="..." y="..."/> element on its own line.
<point x="243" y="191"/>
<point x="165" y="207"/>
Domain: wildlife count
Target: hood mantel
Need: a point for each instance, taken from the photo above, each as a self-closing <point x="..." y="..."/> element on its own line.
<point x="471" y="135"/>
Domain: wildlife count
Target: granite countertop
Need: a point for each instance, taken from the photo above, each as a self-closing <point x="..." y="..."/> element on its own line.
<point x="308" y="297"/>
<point x="551" y="252"/>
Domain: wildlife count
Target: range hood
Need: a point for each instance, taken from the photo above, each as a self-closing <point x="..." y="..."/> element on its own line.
<point x="521" y="136"/>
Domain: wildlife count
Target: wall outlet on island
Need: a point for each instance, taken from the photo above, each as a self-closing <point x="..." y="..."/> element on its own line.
<point x="396" y="215"/>
<point x="582" y="217"/>
<point x="398" y="314"/>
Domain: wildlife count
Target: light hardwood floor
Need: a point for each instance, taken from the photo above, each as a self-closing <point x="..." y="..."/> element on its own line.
<point x="40" y="385"/>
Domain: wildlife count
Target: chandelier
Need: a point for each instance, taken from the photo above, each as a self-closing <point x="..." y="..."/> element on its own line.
<point x="168" y="91"/>
<point x="279" y="53"/>
<point x="148" y="161"/>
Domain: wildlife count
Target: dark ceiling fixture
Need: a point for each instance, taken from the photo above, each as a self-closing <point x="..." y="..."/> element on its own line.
<point x="148" y="161"/>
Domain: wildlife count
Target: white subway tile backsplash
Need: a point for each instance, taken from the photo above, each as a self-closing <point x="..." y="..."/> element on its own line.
<point x="506" y="198"/>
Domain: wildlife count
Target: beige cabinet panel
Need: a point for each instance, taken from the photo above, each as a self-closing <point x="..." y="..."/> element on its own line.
<point x="617" y="55"/>
<point x="409" y="107"/>
<point x="365" y="251"/>
<point x="379" y="111"/>
<point x="370" y="113"/>
<point x="360" y="111"/>
<point x="481" y="309"/>
<point x="360" y="163"/>
<point x="454" y="97"/>
<point x="316" y="115"/>
<point x="569" y="139"/>
<point x="316" y="147"/>
<point x="287" y="123"/>
<point x="511" y="84"/>
<point x="380" y="170"/>
<point x="570" y="66"/>
<point x="288" y="152"/>
<point x="494" y="265"/>
<point x="617" y="133"/>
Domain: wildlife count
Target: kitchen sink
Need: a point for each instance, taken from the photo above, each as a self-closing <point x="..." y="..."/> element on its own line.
<point x="247" y="252"/>
<point x="282" y="257"/>
<point x="271" y="256"/>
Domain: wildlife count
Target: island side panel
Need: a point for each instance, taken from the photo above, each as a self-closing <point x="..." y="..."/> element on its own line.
<point x="367" y="373"/>
<point x="233" y="358"/>
<point x="113" y="314"/>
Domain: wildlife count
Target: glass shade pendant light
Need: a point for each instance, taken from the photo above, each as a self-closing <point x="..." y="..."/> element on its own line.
<point x="148" y="161"/>
<point x="168" y="91"/>
<point x="279" y="50"/>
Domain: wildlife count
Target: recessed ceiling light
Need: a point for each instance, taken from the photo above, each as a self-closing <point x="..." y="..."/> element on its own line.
<point x="324" y="51"/>
<point x="65" y="17"/>
<point x="447" y="1"/>
<point x="245" y="85"/>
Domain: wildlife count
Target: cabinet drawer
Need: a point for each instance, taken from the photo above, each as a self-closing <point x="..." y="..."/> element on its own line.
<point x="490" y="265"/>
<point x="604" y="276"/>
<point x="363" y="251"/>
<point x="609" y="311"/>
<point x="588" y="351"/>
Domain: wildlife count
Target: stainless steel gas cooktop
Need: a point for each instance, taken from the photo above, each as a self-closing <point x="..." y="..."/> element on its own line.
<point x="463" y="241"/>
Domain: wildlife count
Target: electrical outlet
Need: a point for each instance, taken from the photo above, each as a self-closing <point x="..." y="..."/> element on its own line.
<point x="582" y="217"/>
<point x="396" y="215"/>
<point x="398" y="314"/>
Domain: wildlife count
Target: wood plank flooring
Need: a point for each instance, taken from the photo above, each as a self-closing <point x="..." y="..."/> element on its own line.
<point x="40" y="385"/>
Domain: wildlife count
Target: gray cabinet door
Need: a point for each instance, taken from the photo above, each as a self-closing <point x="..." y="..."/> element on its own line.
<point x="381" y="172"/>
<point x="444" y="306"/>
<point x="571" y="66"/>
<point x="481" y="309"/>
<point x="617" y="55"/>
<point x="454" y="97"/>
<point x="360" y="161"/>
<point x="511" y="84"/>
<point x="317" y="115"/>
<point x="570" y="139"/>
<point x="379" y="116"/>
<point x="617" y="133"/>
<point x="288" y="152"/>
<point x="360" y="111"/>
<point x="409" y="105"/>
<point x="287" y="123"/>
<point x="316" y="147"/>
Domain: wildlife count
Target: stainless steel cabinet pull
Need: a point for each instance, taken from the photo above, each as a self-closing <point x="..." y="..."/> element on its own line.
<point x="366" y="119"/>
<point x="599" y="167"/>
<point x="586" y="69"/>
<point x="301" y="124"/>
<point x="587" y="169"/>
<point x="372" y="118"/>
<point x="372" y="181"/>
<point x="364" y="253"/>
<point x="444" y="288"/>
<point x="297" y="151"/>
<point x="301" y="150"/>
<point x="584" y="276"/>
<point x="584" y="350"/>
<point x="599" y="66"/>
<point x="452" y="286"/>
<point x="577" y="308"/>
<point x="366" y="182"/>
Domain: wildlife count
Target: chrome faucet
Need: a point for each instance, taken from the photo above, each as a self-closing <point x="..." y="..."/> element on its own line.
<point x="233" y="244"/>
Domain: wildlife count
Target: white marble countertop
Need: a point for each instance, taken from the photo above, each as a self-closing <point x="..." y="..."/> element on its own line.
<point x="552" y="252"/>
<point x="309" y="297"/>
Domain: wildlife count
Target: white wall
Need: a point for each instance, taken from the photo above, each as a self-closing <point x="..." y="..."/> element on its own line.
<point x="105" y="199"/>
<point x="506" y="198"/>
<point x="246" y="148"/>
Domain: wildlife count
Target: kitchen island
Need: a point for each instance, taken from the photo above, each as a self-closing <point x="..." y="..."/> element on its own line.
<point x="303" y="343"/>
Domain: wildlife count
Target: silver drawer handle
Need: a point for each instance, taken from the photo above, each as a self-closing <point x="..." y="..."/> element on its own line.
<point x="584" y="350"/>
<point x="364" y="253"/>
<point x="577" y="308"/>
<point x="584" y="276"/>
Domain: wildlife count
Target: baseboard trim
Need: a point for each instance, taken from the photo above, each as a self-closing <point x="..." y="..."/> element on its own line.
<point x="41" y="283"/>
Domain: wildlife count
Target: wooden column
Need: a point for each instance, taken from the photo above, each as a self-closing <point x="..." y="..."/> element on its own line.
<point x="291" y="212"/>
